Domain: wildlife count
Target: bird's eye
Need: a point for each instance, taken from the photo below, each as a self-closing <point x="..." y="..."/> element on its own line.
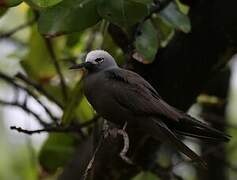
<point x="99" y="60"/>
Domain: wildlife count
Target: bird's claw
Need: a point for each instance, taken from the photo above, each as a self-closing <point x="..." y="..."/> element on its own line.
<point x="114" y="132"/>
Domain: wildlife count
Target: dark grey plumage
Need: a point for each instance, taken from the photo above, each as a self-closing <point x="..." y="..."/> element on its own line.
<point x="120" y="95"/>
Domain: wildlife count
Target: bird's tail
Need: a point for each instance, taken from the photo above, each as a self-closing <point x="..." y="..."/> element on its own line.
<point x="191" y="127"/>
<point x="158" y="130"/>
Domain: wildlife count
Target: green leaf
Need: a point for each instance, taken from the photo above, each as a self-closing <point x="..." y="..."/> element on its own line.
<point x="68" y="16"/>
<point x="55" y="90"/>
<point x="176" y="18"/>
<point x="74" y="100"/>
<point x="84" y="110"/>
<point x="2" y="11"/>
<point x="44" y="3"/>
<point x="9" y="3"/>
<point x="145" y="175"/>
<point x="110" y="46"/>
<point x="37" y="63"/>
<point x="165" y="30"/>
<point x="123" y="13"/>
<point x="143" y="1"/>
<point x="73" y="39"/>
<point x="146" y="44"/>
<point x="56" y="151"/>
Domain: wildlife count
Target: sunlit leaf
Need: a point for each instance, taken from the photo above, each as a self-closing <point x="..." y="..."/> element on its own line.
<point x="146" y="44"/>
<point x="165" y="30"/>
<point x="39" y="67"/>
<point x="68" y="16"/>
<point x="121" y="12"/>
<point x="175" y="17"/>
<point x="37" y="63"/>
<point x="56" y="151"/>
<point x="84" y="110"/>
<point x="56" y="91"/>
<point x="183" y="8"/>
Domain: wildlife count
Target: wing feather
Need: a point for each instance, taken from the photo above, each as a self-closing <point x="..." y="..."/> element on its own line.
<point x="137" y="95"/>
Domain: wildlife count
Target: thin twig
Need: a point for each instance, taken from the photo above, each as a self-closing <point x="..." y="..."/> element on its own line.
<point x="55" y="119"/>
<point x="57" y="67"/>
<point x="16" y="94"/>
<point x="49" y="129"/>
<point x="38" y="87"/>
<point x="57" y="129"/>
<point x="105" y="133"/>
<point x="90" y="164"/>
<point x="26" y="109"/>
<point x="12" y="82"/>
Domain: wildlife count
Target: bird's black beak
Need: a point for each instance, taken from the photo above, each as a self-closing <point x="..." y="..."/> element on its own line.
<point x="82" y="65"/>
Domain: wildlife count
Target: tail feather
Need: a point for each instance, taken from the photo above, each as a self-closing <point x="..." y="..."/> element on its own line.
<point x="204" y="138"/>
<point x="189" y="126"/>
<point x="160" y="131"/>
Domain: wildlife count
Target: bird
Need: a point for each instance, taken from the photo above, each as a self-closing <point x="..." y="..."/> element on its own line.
<point x="121" y="96"/>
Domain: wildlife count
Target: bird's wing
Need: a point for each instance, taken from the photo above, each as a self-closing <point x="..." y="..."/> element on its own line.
<point x="136" y="94"/>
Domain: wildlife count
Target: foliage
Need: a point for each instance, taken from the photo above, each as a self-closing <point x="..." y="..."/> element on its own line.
<point x="56" y="151"/>
<point x="62" y="31"/>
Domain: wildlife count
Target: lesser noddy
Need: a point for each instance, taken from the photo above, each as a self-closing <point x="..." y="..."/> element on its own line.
<point x="120" y="96"/>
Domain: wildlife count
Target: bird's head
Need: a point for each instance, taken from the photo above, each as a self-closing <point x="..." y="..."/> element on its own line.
<point x="96" y="60"/>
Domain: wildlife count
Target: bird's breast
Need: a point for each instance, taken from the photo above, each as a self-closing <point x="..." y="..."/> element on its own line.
<point x="103" y="100"/>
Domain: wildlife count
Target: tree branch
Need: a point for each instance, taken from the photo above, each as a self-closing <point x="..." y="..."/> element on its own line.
<point x="90" y="164"/>
<point x="57" y="67"/>
<point x="28" y="91"/>
<point x="38" y="87"/>
<point x="26" y="109"/>
<point x="57" y="129"/>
